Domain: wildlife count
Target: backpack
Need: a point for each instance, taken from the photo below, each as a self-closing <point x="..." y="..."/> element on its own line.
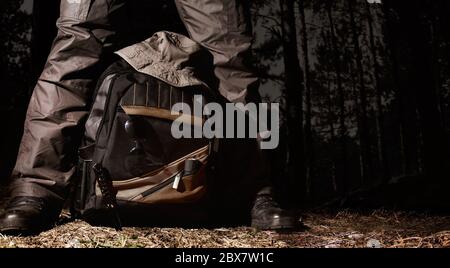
<point x="133" y="171"/>
<point x="129" y="160"/>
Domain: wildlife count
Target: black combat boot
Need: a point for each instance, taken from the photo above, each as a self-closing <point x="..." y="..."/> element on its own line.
<point x="268" y="215"/>
<point x="27" y="216"/>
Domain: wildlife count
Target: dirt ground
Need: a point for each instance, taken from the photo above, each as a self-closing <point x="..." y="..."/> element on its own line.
<point x="323" y="230"/>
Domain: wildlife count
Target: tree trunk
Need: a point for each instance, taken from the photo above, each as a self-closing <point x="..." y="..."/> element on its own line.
<point x="330" y="121"/>
<point x="436" y="40"/>
<point x="381" y="142"/>
<point x="294" y="103"/>
<point x="356" y="99"/>
<point x="364" y="137"/>
<point x="343" y="174"/>
<point x="334" y="181"/>
<point x="309" y="148"/>
<point x="403" y="100"/>
<point x="418" y="35"/>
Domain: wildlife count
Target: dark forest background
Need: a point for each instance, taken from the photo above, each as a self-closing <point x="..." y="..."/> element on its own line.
<point x="364" y="86"/>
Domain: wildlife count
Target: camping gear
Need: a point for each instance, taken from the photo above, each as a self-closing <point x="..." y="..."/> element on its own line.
<point x="129" y="156"/>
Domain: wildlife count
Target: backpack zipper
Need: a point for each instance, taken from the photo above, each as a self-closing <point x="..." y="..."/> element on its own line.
<point x="159" y="187"/>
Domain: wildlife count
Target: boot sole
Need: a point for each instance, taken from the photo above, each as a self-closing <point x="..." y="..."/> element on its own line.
<point x="19" y="227"/>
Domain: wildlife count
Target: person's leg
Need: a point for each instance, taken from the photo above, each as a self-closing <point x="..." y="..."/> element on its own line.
<point x="223" y="27"/>
<point x="53" y="127"/>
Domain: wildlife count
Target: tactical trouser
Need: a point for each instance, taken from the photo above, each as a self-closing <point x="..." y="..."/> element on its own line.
<point x="86" y="33"/>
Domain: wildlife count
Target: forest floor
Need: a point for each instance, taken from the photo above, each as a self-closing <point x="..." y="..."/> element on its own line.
<point x="323" y="230"/>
